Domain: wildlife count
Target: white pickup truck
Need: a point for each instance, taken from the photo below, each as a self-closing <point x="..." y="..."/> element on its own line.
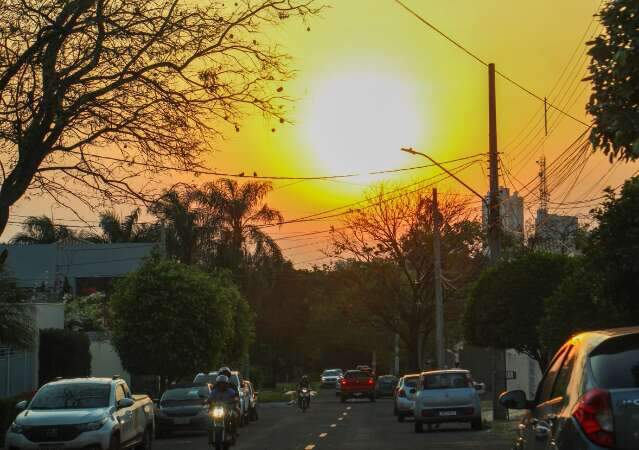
<point x="96" y="413"/>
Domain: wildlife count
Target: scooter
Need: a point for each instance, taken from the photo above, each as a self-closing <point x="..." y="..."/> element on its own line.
<point x="304" y="399"/>
<point x="220" y="436"/>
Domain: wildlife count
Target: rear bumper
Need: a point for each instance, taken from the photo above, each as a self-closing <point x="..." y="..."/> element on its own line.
<point x="357" y="392"/>
<point x="444" y="415"/>
<point x="405" y="406"/>
<point x="93" y="440"/>
<point x="195" y="423"/>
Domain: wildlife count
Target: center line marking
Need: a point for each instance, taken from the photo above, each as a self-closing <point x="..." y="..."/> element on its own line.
<point x="340" y="418"/>
<point x="323" y="435"/>
<point x="309" y="447"/>
<point x="333" y="425"/>
<point x="348" y="407"/>
<point x="344" y="414"/>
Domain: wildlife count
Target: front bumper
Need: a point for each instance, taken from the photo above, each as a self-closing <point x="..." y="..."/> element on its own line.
<point x="93" y="440"/>
<point x="329" y="381"/>
<point x="445" y="415"/>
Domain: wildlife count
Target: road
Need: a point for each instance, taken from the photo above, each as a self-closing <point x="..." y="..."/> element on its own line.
<point x="331" y="425"/>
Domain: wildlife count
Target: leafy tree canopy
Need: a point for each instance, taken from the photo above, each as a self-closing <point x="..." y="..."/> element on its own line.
<point x="172" y="319"/>
<point x="507" y="303"/>
<point x="614" y="71"/>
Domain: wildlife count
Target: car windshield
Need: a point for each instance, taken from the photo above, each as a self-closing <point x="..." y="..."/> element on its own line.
<point x="205" y="378"/>
<point x="411" y="382"/>
<point x="186" y="395"/>
<point x="615" y="363"/>
<point x="331" y="373"/>
<point x="451" y="380"/>
<point x="72" y="396"/>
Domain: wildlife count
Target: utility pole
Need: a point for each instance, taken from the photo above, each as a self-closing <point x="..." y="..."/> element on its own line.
<point x="439" y="301"/>
<point x="494" y="235"/>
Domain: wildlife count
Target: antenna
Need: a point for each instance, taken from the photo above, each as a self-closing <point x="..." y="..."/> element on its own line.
<point x="544" y="196"/>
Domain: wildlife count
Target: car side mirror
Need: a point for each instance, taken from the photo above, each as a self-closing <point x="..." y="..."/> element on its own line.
<point x="514" y="400"/>
<point x="21" y="406"/>
<point x="413" y="391"/>
<point x="125" y="403"/>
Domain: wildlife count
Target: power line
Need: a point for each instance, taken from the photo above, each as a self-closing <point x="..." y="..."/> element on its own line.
<point x="481" y="61"/>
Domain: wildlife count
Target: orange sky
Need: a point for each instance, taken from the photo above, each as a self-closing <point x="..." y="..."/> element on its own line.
<point x="371" y="78"/>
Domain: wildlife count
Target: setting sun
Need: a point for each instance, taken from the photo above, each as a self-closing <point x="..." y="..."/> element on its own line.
<point x="357" y="121"/>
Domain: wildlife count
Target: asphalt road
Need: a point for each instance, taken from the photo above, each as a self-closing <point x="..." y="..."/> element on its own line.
<point x="329" y="424"/>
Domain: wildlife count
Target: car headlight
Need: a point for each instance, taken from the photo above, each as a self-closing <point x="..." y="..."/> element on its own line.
<point x="92" y="426"/>
<point x="17" y="428"/>
<point x="218" y="412"/>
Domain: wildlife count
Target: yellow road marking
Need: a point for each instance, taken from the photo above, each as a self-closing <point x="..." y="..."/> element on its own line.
<point x="344" y="414"/>
<point x="309" y="447"/>
<point x="348" y="407"/>
<point x="340" y="418"/>
<point x="323" y="435"/>
<point x="333" y="425"/>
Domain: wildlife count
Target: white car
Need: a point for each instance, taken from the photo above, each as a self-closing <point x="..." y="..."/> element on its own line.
<point x="330" y="377"/>
<point x="405" y="394"/>
<point x="447" y="396"/>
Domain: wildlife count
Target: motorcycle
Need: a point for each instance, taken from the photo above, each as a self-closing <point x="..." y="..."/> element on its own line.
<point x="220" y="436"/>
<point x="304" y="399"/>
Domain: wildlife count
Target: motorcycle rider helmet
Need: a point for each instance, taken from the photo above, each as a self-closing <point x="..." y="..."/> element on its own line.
<point x="305" y="378"/>
<point x="225" y="371"/>
<point x="222" y="379"/>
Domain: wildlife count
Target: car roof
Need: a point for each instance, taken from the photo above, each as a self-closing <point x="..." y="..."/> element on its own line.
<point x="437" y="372"/>
<point x="187" y="385"/>
<point x="84" y="380"/>
<point x="411" y="375"/>
<point x="591" y="339"/>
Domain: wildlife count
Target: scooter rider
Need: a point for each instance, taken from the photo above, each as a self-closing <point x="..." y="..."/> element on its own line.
<point x="303" y="384"/>
<point x="236" y="409"/>
<point x="222" y="392"/>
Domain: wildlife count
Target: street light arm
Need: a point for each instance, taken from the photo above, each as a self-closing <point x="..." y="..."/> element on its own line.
<point x="415" y="152"/>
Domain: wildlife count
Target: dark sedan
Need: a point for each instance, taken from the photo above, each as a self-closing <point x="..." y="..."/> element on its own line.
<point x="386" y="385"/>
<point x="183" y="408"/>
<point x="588" y="398"/>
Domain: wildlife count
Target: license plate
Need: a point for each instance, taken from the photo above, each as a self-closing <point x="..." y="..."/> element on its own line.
<point x="448" y="413"/>
<point x="181" y="421"/>
<point x="51" y="447"/>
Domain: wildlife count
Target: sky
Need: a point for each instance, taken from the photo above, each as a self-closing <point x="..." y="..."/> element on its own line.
<point x="371" y="78"/>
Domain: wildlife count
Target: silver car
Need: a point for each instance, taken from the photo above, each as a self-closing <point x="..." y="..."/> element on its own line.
<point x="588" y="398"/>
<point x="405" y="394"/>
<point x="447" y="396"/>
<point x="330" y="377"/>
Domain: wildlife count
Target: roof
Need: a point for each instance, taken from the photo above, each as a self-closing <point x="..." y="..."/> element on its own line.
<point x="434" y="372"/>
<point x="593" y="338"/>
<point x="84" y="380"/>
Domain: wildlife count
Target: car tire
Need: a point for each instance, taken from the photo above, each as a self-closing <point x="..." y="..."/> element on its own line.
<point x="400" y="417"/>
<point x="419" y="427"/>
<point x="147" y="440"/>
<point x="115" y="442"/>
<point x="253" y="414"/>
<point x="476" y="425"/>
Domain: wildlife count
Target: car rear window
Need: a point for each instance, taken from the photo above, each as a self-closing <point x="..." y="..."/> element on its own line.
<point x="330" y="373"/>
<point x="615" y="363"/>
<point x="446" y="381"/>
<point x="205" y="378"/>
<point x="411" y="382"/>
<point x="356" y="375"/>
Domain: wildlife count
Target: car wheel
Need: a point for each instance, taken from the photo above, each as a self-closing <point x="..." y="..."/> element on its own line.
<point x="115" y="442"/>
<point x="419" y="427"/>
<point x="476" y="424"/>
<point x="400" y="417"/>
<point x="147" y="441"/>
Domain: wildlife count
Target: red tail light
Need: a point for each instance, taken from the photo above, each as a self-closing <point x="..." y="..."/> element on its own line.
<point x="594" y="415"/>
<point x="342" y="381"/>
<point x="370" y="381"/>
<point x="402" y="393"/>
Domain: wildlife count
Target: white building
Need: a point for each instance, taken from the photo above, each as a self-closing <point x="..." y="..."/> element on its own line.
<point x="555" y="233"/>
<point x="511" y="212"/>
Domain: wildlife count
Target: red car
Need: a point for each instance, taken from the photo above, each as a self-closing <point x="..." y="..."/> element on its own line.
<point x="357" y="384"/>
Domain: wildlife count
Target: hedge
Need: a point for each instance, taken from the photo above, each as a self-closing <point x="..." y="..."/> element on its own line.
<point x="63" y="353"/>
<point x="8" y="412"/>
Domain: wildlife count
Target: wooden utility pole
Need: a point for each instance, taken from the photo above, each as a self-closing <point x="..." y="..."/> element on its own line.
<point x="494" y="235"/>
<point x="439" y="300"/>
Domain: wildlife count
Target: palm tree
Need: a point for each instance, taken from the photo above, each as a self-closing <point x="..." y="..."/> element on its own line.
<point x="116" y="229"/>
<point x="240" y="213"/>
<point x="41" y="230"/>
<point x="183" y="224"/>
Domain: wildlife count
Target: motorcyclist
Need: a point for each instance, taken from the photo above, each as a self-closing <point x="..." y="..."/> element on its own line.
<point x="236" y="407"/>
<point x="303" y="384"/>
<point x="222" y="392"/>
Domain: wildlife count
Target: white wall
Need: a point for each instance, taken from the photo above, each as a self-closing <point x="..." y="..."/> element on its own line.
<point x="105" y="362"/>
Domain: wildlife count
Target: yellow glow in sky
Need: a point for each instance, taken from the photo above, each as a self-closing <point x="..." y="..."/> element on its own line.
<point x="358" y="120"/>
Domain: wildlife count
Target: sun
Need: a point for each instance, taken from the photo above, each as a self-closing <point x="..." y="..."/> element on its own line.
<point x="356" y="122"/>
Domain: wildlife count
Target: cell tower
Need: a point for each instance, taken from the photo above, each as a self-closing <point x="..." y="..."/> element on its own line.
<point x="544" y="196"/>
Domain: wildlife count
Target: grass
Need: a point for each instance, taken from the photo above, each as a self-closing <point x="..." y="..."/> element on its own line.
<point x="279" y="393"/>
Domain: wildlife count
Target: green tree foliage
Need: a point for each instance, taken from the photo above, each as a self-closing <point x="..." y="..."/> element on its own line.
<point x="173" y="320"/>
<point x="507" y="303"/>
<point x="41" y="230"/>
<point x="614" y="246"/>
<point x="63" y="353"/>
<point x="88" y="313"/>
<point x="614" y="71"/>
<point x="16" y="320"/>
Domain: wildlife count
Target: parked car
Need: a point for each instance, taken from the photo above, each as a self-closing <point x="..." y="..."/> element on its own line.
<point x="357" y="384"/>
<point x="385" y="386"/>
<point x="338" y="386"/>
<point x="252" y="400"/>
<point x="183" y="408"/>
<point x="236" y="383"/>
<point x="587" y="399"/>
<point x="96" y="413"/>
<point x="446" y="396"/>
<point x="404" y="398"/>
<point x="330" y="377"/>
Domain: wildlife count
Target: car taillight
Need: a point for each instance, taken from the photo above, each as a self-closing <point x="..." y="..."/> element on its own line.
<point x="594" y="415"/>
<point x="342" y="381"/>
<point x="402" y="393"/>
<point x="370" y="381"/>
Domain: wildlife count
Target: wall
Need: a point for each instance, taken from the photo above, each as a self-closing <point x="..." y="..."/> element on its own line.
<point x="105" y="361"/>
